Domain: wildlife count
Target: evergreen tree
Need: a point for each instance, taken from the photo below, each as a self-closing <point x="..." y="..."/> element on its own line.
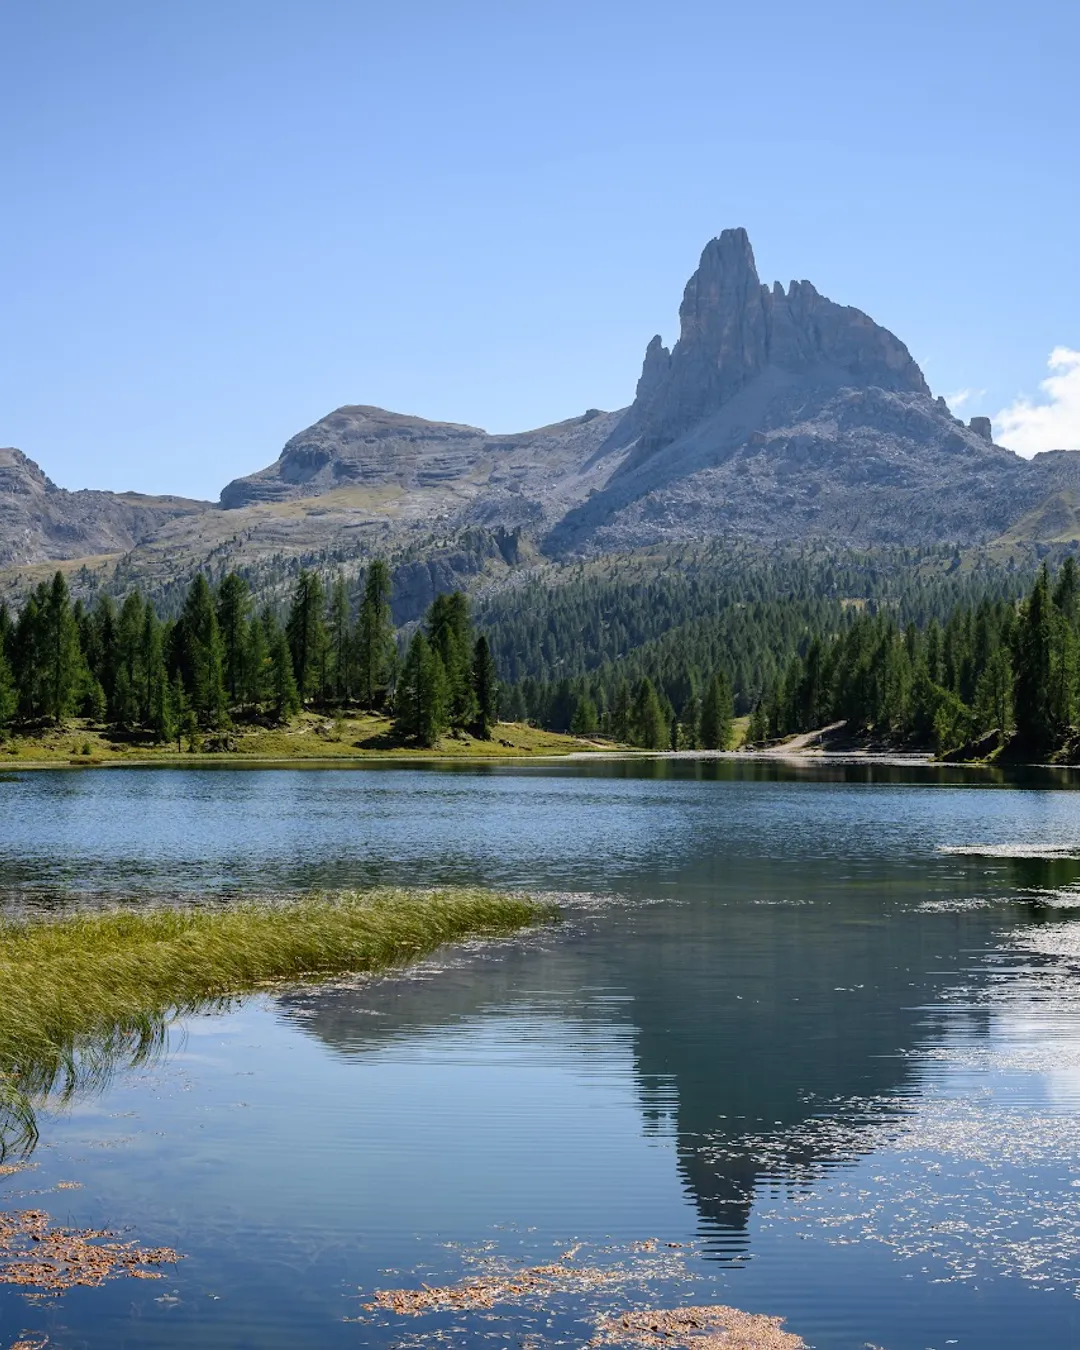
<point x="757" y="729"/>
<point x="450" y="634"/>
<point x="649" y="724"/>
<point x="1032" y="679"/>
<point x="485" y="688"/>
<point x="60" y="651"/>
<point x="421" y="703"/>
<point x="306" y="632"/>
<point x="200" y="655"/>
<point x="994" y="693"/>
<point x="717" y="712"/>
<point x="690" y="722"/>
<point x="284" y="695"/>
<point x="585" y="720"/>
<point x="258" y="665"/>
<point x="622" y="713"/>
<point x="156" y="710"/>
<point x="340" y="641"/>
<point x="130" y="676"/>
<point x="375" y="652"/>
<point x="8" y="697"/>
<point x="233" y="615"/>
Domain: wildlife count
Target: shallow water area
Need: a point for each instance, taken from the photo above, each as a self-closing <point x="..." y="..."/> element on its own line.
<point x="817" y="1026"/>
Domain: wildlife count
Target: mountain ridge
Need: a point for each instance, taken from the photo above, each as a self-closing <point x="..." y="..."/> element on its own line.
<point x="777" y="415"/>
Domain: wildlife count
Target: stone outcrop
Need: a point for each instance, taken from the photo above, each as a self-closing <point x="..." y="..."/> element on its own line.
<point x="732" y="329"/>
<point x="41" y="522"/>
<point x="777" y="415"/>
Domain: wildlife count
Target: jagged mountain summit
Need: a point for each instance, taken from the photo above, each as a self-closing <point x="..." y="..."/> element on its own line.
<point x="777" y="415"/>
<point x="780" y="414"/>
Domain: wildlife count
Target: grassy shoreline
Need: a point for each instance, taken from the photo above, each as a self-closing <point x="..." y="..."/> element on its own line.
<point x="355" y="738"/>
<point x="84" y="993"/>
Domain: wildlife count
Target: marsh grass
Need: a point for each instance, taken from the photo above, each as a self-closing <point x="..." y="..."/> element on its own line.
<point x="84" y="993"/>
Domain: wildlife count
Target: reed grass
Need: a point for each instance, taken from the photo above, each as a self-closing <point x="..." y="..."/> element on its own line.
<point x="84" y="993"/>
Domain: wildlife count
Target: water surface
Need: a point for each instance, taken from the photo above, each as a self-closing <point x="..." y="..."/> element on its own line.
<point x="817" y="1026"/>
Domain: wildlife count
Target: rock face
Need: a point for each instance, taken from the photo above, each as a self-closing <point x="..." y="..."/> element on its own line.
<point x="41" y="522"/>
<point x="778" y="415"/>
<point x="379" y="456"/>
<point x="733" y="329"/>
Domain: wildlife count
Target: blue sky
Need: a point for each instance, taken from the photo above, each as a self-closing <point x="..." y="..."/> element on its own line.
<point x="222" y="220"/>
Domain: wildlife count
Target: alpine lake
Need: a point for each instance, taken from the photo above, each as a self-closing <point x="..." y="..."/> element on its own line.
<point x="804" y="1041"/>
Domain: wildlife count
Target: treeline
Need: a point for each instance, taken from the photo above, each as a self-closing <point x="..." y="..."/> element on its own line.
<point x="995" y="667"/>
<point x="220" y="660"/>
<point x="574" y="649"/>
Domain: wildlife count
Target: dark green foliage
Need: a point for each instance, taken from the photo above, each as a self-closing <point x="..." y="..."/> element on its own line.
<point x="422" y="700"/>
<point x="1033" y="686"/>
<point x="374" y="641"/>
<point x="450" y="633"/>
<point x="649" y="726"/>
<point x="197" y="643"/>
<point x="283" y="694"/>
<point x="233" y="615"/>
<point x="717" y="712"/>
<point x="485" y="688"/>
<point x="306" y="632"/>
<point x="340" y="643"/>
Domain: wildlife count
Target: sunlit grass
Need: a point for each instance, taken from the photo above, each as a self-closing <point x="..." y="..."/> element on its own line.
<point x="84" y="993"/>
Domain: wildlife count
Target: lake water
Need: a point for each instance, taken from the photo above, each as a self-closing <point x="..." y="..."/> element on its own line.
<point x="818" y="1028"/>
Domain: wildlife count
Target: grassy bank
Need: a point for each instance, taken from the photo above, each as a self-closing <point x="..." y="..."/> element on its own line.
<point x="81" y="994"/>
<point x="309" y="736"/>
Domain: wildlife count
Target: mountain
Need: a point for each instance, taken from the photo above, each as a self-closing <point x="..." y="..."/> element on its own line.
<point x="41" y="522"/>
<point x="778" y="415"/>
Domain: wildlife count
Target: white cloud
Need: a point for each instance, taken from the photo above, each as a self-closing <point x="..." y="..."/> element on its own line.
<point x="957" y="400"/>
<point x="1054" y="422"/>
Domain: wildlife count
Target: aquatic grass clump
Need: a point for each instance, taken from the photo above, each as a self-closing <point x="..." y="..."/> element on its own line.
<point x="85" y="992"/>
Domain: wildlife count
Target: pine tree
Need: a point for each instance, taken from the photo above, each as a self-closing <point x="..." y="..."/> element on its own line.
<point x="994" y="693"/>
<point x="717" y="712"/>
<point x="757" y="729"/>
<point x="156" y="710"/>
<point x="690" y="722"/>
<point x="340" y="641"/>
<point x="283" y="692"/>
<point x="180" y="709"/>
<point x="375" y="652"/>
<point x="130" y="677"/>
<point x="61" y="653"/>
<point x="622" y="713"/>
<point x="257" y="665"/>
<point x="485" y="688"/>
<point x="306" y="632"/>
<point x="584" y="721"/>
<point x="421" y="701"/>
<point x="450" y="634"/>
<point x="1032" y="681"/>
<point x="8" y="697"/>
<point x="233" y="613"/>
<point x="200" y="655"/>
<point x="649" y="724"/>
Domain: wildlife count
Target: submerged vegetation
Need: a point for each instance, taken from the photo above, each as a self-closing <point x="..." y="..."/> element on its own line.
<point x="86" y="992"/>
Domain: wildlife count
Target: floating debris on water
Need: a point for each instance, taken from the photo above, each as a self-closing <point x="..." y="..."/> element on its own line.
<point x="707" y="1328"/>
<point x="45" y="1259"/>
<point x="539" y="1303"/>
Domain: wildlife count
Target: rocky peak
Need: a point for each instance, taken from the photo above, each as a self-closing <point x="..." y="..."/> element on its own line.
<point x="19" y="475"/>
<point x="982" y="426"/>
<point x="732" y="328"/>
